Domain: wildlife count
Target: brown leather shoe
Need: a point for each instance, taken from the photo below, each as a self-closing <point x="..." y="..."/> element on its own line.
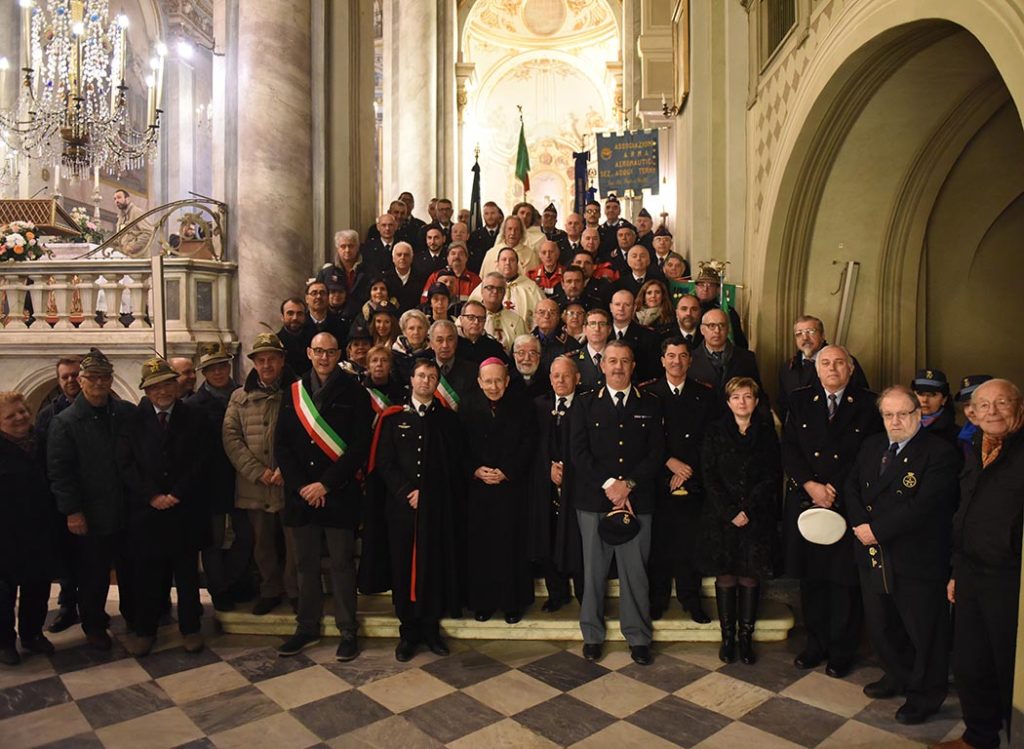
<point x="954" y="744"/>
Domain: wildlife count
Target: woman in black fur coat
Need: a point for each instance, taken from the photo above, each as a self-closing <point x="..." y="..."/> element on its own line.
<point x="742" y="477"/>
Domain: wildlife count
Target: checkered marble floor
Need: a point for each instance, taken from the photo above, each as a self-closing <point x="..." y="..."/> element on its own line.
<point x="239" y="693"/>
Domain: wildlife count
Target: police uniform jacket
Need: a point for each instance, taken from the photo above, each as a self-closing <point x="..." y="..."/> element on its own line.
<point x="686" y="416"/>
<point x="814" y="449"/>
<point x="610" y="237"/>
<point x="551" y="347"/>
<point x="174" y="460"/>
<point x="644" y="343"/>
<point x="480" y="241"/>
<point x="345" y="406"/>
<point x="591" y="376"/>
<point x="909" y="508"/>
<point x="377" y="254"/>
<point x="588" y="299"/>
<point x="796" y="373"/>
<point x="609" y="444"/>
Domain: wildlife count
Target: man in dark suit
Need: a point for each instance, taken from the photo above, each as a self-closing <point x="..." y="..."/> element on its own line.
<point x="457" y="375"/>
<point x="405" y="282"/>
<point x="549" y="332"/>
<point x="411" y="225"/>
<point x="163" y="454"/>
<point x="799" y="371"/>
<point x="718" y="360"/>
<point x="588" y="359"/>
<point x="688" y="316"/>
<point x="376" y="250"/>
<point x="643" y="340"/>
<point x="475" y="346"/>
<point x="639" y="271"/>
<point x="483" y="237"/>
<point x="572" y="290"/>
<point x="688" y="405"/>
<point x="617" y="450"/>
<point x="826" y="426"/>
<point x="319" y="317"/>
<point x="350" y="270"/>
<point x="572" y="240"/>
<point x="295" y="334"/>
<point x="899" y="503"/>
<point x="555" y="535"/>
<point x="431" y="256"/>
<point x="321" y="442"/>
<point x="443" y="221"/>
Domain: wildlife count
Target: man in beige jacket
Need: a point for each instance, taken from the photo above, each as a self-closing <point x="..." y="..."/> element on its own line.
<point x="259" y="489"/>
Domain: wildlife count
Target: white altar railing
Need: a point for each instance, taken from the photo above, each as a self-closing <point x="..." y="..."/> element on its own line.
<point x="78" y="298"/>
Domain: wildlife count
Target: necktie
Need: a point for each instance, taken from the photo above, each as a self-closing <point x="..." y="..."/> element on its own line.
<point x="688" y="338"/>
<point x="423" y="410"/>
<point x="621" y="334"/>
<point x="675" y="391"/>
<point x="620" y="400"/>
<point x="889" y="457"/>
<point x="162" y="418"/>
<point x="808" y="363"/>
<point x="561" y="405"/>
<point x="387" y="249"/>
<point x="832" y="406"/>
<point x="597" y="359"/>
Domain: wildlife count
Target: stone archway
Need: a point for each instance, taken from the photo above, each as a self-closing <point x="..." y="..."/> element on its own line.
<point x="895" y="123"/>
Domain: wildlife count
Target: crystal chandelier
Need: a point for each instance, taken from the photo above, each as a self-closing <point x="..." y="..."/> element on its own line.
<point x="73" y="107"/>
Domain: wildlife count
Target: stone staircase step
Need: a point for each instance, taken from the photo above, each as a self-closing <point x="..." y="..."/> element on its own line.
<point x="377" y="619"/>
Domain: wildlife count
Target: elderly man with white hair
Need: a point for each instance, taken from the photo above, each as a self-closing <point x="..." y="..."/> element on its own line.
<point x="986" y="565"/>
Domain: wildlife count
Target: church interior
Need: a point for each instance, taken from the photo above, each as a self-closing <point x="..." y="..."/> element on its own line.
<point x="855" y="160"/>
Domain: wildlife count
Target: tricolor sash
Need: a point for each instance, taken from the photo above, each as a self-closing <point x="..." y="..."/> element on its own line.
<point x="315" y="425"/>
<point x="378" y="401"/>
<point x="446" y="394"/>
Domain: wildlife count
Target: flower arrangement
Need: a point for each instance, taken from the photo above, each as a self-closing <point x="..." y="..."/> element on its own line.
<point x="90" y="229"/>
<point x="20" y="242"/>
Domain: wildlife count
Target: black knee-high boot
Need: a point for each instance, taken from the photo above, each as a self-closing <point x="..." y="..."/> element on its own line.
<point x="725" y="598"/>
<point x="748" y="618"/>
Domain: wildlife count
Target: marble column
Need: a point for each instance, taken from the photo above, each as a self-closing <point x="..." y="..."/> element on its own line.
<point x="179" y="129"/>
<point x="410" y="100"/>
<point x="273" y="215"/>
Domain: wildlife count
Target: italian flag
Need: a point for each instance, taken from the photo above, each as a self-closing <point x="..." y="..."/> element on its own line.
<point x="315" y="425"/>
<point x="447" y="395"/>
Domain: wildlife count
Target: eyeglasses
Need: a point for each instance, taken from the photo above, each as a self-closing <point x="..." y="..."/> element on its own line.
<point x="530" y="354"/>
<point x="804" y="332"/>
<point x="597" y="324"/>
<point x="473" y="318"/>
<point x="494" y="288"/>
<point x="714" y="325"/>
<point x="326" y="352"/>
<point x="894" y="415"/>
<point x="706" y="285"/>
<point x="999" y="404"/>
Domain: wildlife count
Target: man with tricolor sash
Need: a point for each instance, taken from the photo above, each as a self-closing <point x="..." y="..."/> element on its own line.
<point x="322" y="442"/>
<point x="418" y="456"/>
<point x="456" y="377"/>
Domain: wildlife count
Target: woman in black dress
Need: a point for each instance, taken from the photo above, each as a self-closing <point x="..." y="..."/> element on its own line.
<point x="501" y="438"/>
<point x="742" y="477"/>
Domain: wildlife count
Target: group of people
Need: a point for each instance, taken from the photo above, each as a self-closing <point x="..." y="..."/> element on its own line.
<point x="473" y="428"/>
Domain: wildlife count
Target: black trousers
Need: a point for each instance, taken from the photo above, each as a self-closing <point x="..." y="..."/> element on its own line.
<point x="31" y="609"/>
<point x="673" y="544"/>
<point x="557" y="583"/>
<point x="97" y="555"/>
<point x="151" y="592"/>
<point x="225" y="567"/>
<point x="833" y="615"/>
<point x="67" y="556"/>
<point x="909" y="631"/>
<point x="984" y="650"/>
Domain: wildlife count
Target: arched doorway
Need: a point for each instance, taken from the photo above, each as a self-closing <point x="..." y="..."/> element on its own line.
<point x="560" y="61"/>
<point x="905" y="155"/>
